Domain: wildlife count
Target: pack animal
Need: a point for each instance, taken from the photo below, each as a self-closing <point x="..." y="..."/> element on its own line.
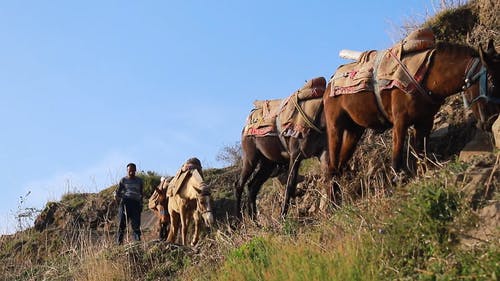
<point x="188" y="201"/>
<point x="377" y="102"/>
<point x="284" y="146"/>
<point x="158" y="203"/>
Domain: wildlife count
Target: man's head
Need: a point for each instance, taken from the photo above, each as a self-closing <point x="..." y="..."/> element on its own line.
<point x="131" y="168"/>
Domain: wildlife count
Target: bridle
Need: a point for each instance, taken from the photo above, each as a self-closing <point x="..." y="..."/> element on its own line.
<point x="472" y="76"/>
<point x="163" y="205"/>
<point x="204" y="191"/>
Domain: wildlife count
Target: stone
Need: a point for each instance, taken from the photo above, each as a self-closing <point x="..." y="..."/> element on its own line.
<point x="495" y="130"/>
<point x="480" y="145"/>
<point x="441" y="131"/>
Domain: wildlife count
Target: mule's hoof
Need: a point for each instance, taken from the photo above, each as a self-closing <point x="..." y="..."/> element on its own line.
<point x="399" y="178"/>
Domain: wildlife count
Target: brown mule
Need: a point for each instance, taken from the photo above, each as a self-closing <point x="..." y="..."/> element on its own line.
<point x="266" y="156"/>
<point x="453" y="68"/>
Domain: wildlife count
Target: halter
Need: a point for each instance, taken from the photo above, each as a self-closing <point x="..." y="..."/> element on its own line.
<point x="471" y="79"/>
<point x="163" y="203"/>
<point x="203" y="192"/>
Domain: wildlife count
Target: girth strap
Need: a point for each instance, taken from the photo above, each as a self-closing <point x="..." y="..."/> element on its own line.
<point x="308" y="121"/>
<point x="376" y="89"/>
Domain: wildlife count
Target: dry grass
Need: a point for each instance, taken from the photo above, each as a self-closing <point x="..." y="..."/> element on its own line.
<point x="351" y="239"/>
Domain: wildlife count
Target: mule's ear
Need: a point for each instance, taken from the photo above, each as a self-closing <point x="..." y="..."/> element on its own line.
<point x="157" y="190"/>
<point x="484" y="56"/>
<point x="491" y="48"/>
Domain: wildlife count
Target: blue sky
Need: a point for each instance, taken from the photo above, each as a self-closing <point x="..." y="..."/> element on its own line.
<point x="88" y="86"/>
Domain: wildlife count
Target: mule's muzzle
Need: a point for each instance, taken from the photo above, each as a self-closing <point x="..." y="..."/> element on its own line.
<point x="487" y="124"/>
<point x="208" y="218"/>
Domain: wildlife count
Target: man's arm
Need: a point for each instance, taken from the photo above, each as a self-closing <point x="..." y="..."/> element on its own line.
<point x="118" y="192"/>
<point x="142" y="188"/>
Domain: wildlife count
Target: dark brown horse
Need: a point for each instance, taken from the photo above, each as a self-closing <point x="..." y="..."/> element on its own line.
<point x="265" y="156"/>
<point x="452" y="69"/>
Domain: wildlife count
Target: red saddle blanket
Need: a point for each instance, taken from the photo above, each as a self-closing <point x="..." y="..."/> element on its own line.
<point x="262" y="120"/>
<point x="415" y="52"/>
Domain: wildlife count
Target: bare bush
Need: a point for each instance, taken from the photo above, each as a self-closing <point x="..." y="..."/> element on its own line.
<point x="25" y="215"/>
<point x="230" y="154"/>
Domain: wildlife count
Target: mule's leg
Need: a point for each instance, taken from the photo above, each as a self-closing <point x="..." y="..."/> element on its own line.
<point x="163" y="231"/>
<point x="184" y="226"/>
<point x="334" y="136"/>
<point x="349" y="142"/>
<point x="398" y="140"/>
<point x="174" y="227"/>
<point x="263" y="173"/>
<point x="419" y="142"/>
<point x="332" y="111"/>
<point x="196" y="234"/>
<point x="291" y="182"/>
<point x="422" y="131"/>
<point x="163" y="223"/>
<point x="336" y="124"/>
<point x="249" y="164"/>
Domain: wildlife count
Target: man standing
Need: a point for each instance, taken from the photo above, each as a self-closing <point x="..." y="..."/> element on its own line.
<point x="129" y="208"/>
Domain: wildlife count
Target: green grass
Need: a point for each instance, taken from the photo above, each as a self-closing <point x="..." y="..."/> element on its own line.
<point x="305" y="258"/>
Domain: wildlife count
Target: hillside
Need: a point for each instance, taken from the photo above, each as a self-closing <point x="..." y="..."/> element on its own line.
<point x="442" y="223"/>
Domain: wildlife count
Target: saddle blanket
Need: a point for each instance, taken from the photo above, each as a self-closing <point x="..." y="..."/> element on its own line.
<point x="262" y="120"/>
<point x="301" y="109"/>
<point x="178" y="180"/>
<point x="415" y="52"/>
<point x="153" y="200"/>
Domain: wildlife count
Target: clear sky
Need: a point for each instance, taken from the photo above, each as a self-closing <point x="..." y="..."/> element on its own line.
<point x="88" y="86"/>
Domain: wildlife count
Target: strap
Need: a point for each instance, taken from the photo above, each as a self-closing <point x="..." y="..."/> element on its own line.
<point x="304" y="115"/>
<point x="376" y="88"/>
<point x="471" y="78"/>
<point x="420" y="89"/>
<point x="280" y="136"/>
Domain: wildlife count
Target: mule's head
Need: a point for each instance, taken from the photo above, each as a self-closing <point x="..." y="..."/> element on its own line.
<point x="162" y="205"/>
<point x="204" y="205"/>
<point x="483" y="87"/>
